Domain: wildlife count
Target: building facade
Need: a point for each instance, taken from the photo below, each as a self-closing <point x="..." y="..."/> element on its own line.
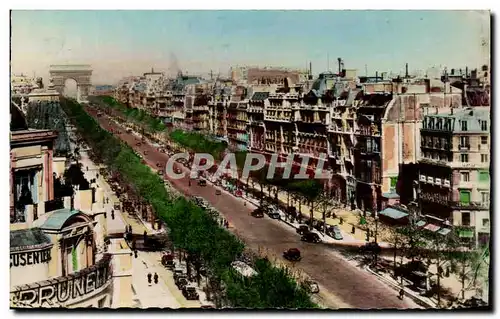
<point x="454" y="170"/>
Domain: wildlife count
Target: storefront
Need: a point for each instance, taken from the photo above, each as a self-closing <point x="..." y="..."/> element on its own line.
<point x="89" y="287"/>
<point x="30" y="255"/>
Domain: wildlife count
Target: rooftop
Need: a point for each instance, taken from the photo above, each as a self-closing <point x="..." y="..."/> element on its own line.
<point x="58" y="218"/>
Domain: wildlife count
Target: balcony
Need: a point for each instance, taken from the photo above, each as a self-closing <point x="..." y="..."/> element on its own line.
<point x="430" y="180"/>
<point x="446" y="183"/>
<point x="438" y="181"/>
<point x="470" y="205"/>
<point x="464" y="147"/>
<point x="423" y="178"/>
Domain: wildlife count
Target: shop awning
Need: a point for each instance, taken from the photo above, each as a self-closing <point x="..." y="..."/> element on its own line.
<point x="393" y="213"/>
<point x="444" y="231"/>
<point x="432" y="227"/>
<point x="420" y="223"/>
<point x="466" y="234"/>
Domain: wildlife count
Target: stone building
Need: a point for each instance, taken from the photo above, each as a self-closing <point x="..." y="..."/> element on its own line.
<point x="56" y="248"/>
<point x="454" y="170"/>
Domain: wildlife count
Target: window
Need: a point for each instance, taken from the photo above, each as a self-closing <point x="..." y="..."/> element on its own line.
<point x="394" y="181"/>
<point x="484" y="158"/>
<point x="484" y="125"/>
<point x="464" y="197"/>
<point x="465" y="219"/>
<point x="484" y="139"/>
<point x="464" y="158"/>
<point x="431" y="124"/>
<point x="484" y="176"/>
<point x="439" y="124"/>
<point x="465" y="177"/>
<point x="486" y="222"/>
<point x="485" y="198"/>
<point x="447" y="124"/>
<point x="464" y="125"/>
<point x="464" y="141"/>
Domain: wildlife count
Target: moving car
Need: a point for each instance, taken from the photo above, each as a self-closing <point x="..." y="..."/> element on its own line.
<point x="274" y="214"/>
<point x="138" y="144"/>
<point x="218" y="192"/>
<point x="190" y="293"/>
<point x="371" y="247"/>
<point x="310" y="237"/>
<point x="302" y="229"/>
<point x="202" y="182"/>
<point x="258" y="213"/>
<point x="336" y="233"/>
<point x="145" y="152"/>
<point x="292" y="254"/>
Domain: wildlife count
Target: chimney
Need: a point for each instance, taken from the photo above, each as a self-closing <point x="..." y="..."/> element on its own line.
<point x="406" y="70"/>
<point x="310" y="71"/>
<point x="466" y="71"/>
<point x="427" y="85"/>
<point x="340" y="64"/>
<point x="376" y="76"/>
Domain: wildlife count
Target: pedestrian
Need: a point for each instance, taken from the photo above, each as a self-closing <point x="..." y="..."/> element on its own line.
<point x="97" y="175"/>
<point x="135" y="253"/>
<point x="149" y="278"/>
<point x="156" y="278"/>
<point x="112" y="214"/>
<point x="401" y="293"/>
<point x="341" y="221"/>
<point x="353" y="230"/>
<point x="245" y="203"/>
<point x="87" y="168"/>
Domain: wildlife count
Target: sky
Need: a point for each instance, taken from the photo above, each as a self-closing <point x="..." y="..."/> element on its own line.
<point x="124" y="43"/>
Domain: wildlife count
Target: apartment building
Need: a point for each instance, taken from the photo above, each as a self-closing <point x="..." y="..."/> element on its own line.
<point x="454" y="175"/>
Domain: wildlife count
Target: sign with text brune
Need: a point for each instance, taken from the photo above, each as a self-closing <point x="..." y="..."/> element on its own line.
<point x="30" y="258"/>
<point x="63" y="290"/>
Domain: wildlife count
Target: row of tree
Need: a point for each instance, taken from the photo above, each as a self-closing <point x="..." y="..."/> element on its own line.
<point x="198" y="143"/>
<point x="140" y="117"/>
<point x="191" y="229"/>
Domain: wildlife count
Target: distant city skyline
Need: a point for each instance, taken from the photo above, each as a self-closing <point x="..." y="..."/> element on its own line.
<point x="124" y="43"/>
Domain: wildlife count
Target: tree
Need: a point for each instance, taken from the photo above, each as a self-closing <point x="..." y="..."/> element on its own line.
<point x="471" y="266"/>
<point x="75" y="176"/>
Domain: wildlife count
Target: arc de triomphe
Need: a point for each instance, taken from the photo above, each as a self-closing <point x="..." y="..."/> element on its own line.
<point x="81" y="73"/>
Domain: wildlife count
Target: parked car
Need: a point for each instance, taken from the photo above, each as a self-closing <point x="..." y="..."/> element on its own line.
<point x="178" y="272"/>
<point x="310" y="237"/>
<point x="181" y="280"/>
<point x="292" y="254"/>
<point x="167" y="260"/>
<point x="258" y="213"/>
<point x="336" y="233"/>
<point x="218" y="192"/>
<point x="302" y="229"/>
<point x="145" y="152"/>
<point x="190" y="293"/>
<point x="274" y="215"/>
<point x="138" y="144"/>
<point x="202" y="182"/>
